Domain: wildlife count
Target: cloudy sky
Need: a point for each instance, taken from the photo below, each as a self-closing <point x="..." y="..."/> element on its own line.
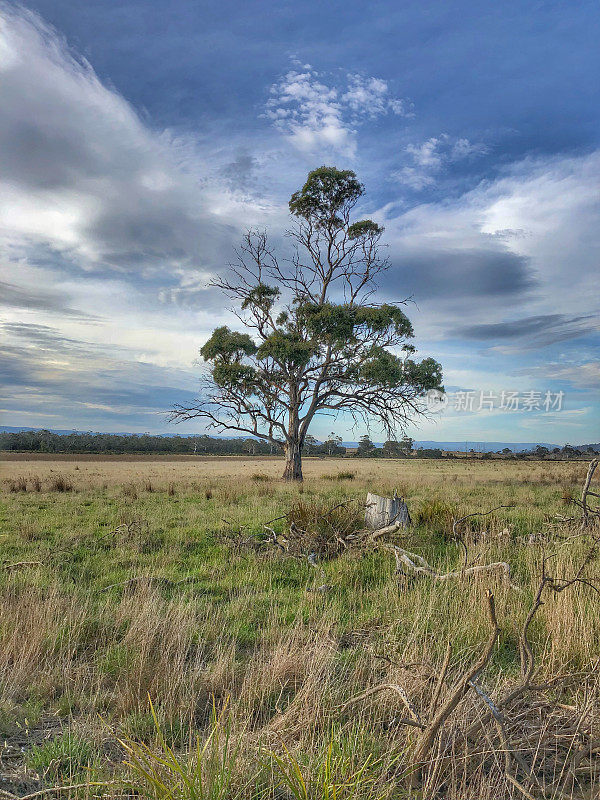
<point x="138" y="140"/>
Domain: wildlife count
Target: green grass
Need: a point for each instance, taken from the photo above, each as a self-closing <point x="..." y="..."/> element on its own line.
<point x="67" y="757"/>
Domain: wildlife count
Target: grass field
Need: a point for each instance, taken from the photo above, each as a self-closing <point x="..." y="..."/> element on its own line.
<point x="216" y="621"/>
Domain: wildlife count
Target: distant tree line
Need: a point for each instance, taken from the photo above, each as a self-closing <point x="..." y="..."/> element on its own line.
<point x="111" y="443"/>
<point x="43" y="441"/>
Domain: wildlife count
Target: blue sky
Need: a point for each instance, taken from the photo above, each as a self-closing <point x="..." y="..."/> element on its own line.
<point x="138" y="140"/>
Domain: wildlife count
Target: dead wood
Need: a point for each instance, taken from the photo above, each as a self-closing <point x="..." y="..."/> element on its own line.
<point x="419" y="566"/>
<point x="414" y="720"/>
<point x="586" y="492"/>
<point x="21" y="565"/>
<point x="427" y="738"/>
<point x="382" y="512"/>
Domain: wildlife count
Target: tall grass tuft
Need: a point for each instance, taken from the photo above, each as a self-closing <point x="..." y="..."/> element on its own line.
<point x="204" y="772"/>
<point x="60" y="483"/>
<point x="336" y="776"/>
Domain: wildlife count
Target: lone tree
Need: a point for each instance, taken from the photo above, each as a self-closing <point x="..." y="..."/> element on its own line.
<point x="317" y="343"/>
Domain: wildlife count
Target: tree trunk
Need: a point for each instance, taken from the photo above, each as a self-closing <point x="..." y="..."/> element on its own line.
<point x="293" y="462"/>
<point x="294" y="441"/>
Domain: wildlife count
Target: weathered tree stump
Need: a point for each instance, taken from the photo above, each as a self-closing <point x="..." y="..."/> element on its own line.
<point x="384" y="511"/>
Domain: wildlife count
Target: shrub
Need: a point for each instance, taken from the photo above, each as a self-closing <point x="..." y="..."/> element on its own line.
<point x="435" y="513"/>
<point x="336" y="777"/>
<point x="316" y="527"/>
<point x="566" y="496"/>
<point x="130" y="491"/>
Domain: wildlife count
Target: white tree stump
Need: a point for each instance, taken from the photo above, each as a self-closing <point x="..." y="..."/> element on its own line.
<point x="384" y="511"/>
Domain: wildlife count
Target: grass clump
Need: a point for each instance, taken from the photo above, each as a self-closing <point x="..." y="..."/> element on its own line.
<point x="318" y="527"/>
<point x="335" y="776"/>
<point x="342" y="475"/>
<point x="65" y="757"/>
<point x="205" y="772"/>
<point x="60" y="483"/>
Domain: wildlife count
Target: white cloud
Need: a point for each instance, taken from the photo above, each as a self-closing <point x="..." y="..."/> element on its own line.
<point x="315" y="116"/>
<point x="429" y="159"/>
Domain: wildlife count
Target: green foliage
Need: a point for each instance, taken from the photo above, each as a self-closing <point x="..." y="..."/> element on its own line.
<point x="379" y="318"/>
<point x="327" y="193"/>
<point x="262" y="296"/>
<point x="342" y="323"/>
<point x="289" y="349"/>
<point x="425" y="374"/>
<point x="335" y="776"/>
<point x="242" y="376"/>
<point x="330" y="323"/>
<point x="227" y="346"/>
<point x="363" y="229"/>
<point x="365" y="445"/>
<point x="381" y="368"/>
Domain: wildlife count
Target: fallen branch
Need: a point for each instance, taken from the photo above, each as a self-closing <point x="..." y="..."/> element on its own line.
<point x="586" y="492"/>
<point x="417" y="564"/>
<point x="456" y="523"/>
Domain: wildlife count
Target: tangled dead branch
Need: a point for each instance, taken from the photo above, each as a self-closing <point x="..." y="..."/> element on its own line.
<point x="566" y="755"/>
<point x="326" y="533"/>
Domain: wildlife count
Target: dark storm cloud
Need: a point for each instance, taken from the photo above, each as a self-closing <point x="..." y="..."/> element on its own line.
<point x="125" y="197"/>
<point x="13" y="296"/>
<point x="470" y="274"/>
<point x="537" y="331"/>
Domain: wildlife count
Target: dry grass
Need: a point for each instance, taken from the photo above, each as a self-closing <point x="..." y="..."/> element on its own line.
<point x="211" y="614"/>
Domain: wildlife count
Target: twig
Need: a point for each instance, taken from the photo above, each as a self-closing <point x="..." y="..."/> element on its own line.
<point x="428" y="736"/>
<point x="456" y="523"/>
<point x="415" y="721"/>
<point x="440" y="681"/>
<point x="54" y="789"/>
